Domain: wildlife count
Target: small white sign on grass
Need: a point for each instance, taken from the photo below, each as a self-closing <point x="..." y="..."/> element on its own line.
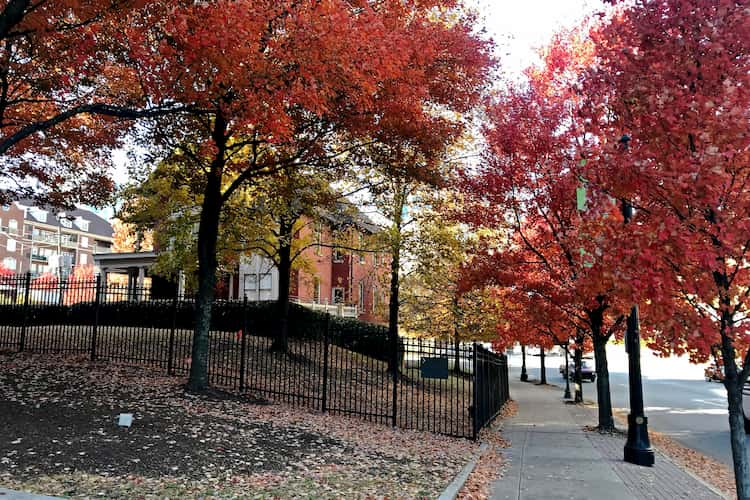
<point x="125" y="420"/>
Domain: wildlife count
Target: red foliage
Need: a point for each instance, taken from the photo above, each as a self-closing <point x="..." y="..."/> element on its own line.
<point x="81" y="286"/>
<point x="46" y="281"/>
<point x="681" y="98"/>
<point x="558" y="265"/>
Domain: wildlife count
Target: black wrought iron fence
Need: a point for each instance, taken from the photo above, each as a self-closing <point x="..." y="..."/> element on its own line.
<point x="332" y="364"/>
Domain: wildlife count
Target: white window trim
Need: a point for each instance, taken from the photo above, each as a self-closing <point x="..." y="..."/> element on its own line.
<point x="340" y="259"/>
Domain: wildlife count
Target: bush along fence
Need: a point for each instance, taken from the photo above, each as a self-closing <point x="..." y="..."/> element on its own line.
<point x="336" y="365"/>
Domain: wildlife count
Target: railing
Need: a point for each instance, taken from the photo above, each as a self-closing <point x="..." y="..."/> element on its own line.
<point x="331" y="364"/>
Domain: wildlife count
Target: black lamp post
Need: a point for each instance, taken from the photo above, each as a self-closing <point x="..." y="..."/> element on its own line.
<point x="567" y="375"/>
<point x="524" y="375"/>
<point x="638" y="446"/>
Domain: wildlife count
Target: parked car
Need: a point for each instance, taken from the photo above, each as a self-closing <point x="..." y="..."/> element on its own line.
<point x="587" y="370"/>
<point x="713" y="372"/>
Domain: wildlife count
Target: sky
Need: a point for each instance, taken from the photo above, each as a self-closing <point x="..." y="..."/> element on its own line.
<point x="518" y="27"/>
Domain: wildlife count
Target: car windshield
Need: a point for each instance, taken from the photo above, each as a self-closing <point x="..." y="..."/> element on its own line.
<point x="585" y="364"/>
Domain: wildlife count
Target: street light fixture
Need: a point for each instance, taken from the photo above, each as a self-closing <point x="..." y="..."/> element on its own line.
<point x="638" y="446"/>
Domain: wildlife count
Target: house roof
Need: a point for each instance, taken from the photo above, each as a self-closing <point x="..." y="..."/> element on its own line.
<point x="97" y="225"/>
<point x="347" y="214"/>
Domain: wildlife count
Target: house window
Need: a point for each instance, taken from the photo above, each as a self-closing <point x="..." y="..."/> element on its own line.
<point x="82" y="223"/>
<point x="361" y="249"/>
<point x="12" y="226"/>
<point x="84" y="259"/>
<point x="338" y="295"/>
<point x="251" y="285"/>
<point x="374" y="298"/>
<point x="316" y="290"/>
<point x="11" y="245"/>
<point x="361" y="301"/>
<point x="257" y="286"/>
<point x="84" y="242"/>
<point x="9" y="263"/>
<point x="266" y="283"/>
<point x="66" y="222"/>
<point x="338" y="256"/>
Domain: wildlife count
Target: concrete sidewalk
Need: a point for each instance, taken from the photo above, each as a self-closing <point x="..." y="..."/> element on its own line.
<point x="552" y="457"/>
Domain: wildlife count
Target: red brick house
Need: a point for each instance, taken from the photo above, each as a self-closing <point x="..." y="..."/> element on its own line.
<point x="355" y="280"/>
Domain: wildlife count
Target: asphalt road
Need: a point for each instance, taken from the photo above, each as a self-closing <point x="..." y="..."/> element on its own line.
<point x="678" y="400"/>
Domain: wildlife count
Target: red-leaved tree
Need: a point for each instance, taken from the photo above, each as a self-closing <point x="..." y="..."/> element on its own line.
<point x="555" y="250"/>
<point x="278" y="85"/>
<point x="669" y="97"/>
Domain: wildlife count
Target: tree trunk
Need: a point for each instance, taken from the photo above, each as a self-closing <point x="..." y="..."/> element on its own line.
<point x="524" y="374"/>
<point x="281" y="342"/>
<point x="208" y="233"/>
<point x="577" y="362"/>
<point x="603" y="396"/>
<point x="543" y="376"/>
<point x="733" y="385"/>
<point x="393" y="304"/>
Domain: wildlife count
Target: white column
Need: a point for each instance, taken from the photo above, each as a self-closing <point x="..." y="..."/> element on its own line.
<point x="105" y="277"/>
<point x="139" y="283"/>
<point x="131" y="284"/>
<point x="180" y="284"/>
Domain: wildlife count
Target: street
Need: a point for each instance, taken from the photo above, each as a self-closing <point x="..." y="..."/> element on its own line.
<point x="678" y="400"/>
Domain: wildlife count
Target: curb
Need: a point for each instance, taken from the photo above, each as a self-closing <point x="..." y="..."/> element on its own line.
<point x="451" y="492"/>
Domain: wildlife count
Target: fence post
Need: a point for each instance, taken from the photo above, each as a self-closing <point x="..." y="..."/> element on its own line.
<point x="97" y="299"/>
<point x="243" y="344"/>
<point x="27" y="289"/>
<point x="395" y="379"/>
<point x="324" y="403"/>
<point x="170" y="360"/>
<point x="474" y="392"/>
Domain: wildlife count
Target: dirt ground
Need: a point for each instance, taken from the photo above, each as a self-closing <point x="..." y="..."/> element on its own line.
<point x="60" y="437"/>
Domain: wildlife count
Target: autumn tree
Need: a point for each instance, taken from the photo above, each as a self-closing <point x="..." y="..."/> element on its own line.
<point x="268" y="220"/>
<point x="130" y="238"/>
<point x="274" y="77"/>
<point x="66" y="82"/>
<point x="670" y="97"/>
<point x="432" y="300"/>
<point x="559" y="250"/>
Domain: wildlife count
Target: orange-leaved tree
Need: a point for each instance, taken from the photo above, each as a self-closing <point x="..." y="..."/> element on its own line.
<point x="276" y="85"/>
<point x="561" y="235"/>
<point x="669" y="96"/>
<point x="64" y="66"/>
